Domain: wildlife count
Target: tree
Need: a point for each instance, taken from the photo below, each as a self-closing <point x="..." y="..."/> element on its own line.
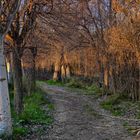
<point x="91" y="25"/>
<point x="7" y="14"/>
<point x="21" y="26"/>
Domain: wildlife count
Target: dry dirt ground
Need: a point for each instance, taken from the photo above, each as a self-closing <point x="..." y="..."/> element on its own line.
<point x="80" y="117"/>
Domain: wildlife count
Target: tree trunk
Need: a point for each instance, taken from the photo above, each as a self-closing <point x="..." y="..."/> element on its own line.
<point x="111" y="81"/>
<point x="31" y="81"/>
<point x="56" y="72"/>
<point x="63" y="73"/>
<point x="9" y="69"/>
<point x="101" y="75"/>
<point x="33" y="76"/>
<point x="5" y="114"/>
<point x="139" y="80"/>
<point x="106" y="78"/>
<point x="17" y="76"/>
<point x="68" y="72"/>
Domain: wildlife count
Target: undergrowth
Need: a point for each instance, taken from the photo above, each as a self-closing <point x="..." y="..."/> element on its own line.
<point x="76" y="83"/>
<point x="121" y="105"/>
<point x="32" y="114"/>
<point x="55" y="82"/>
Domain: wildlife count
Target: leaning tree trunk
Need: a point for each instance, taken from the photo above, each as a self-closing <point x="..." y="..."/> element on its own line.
<point x="5" y="114"/>
<point x="17" y="76"/>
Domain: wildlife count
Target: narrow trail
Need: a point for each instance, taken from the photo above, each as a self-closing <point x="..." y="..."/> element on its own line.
<point x="77" y="117"/>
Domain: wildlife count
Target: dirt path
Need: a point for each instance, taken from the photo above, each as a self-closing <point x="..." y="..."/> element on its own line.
<point x="77" y="117"/>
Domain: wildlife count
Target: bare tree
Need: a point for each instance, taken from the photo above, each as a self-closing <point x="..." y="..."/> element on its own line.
<point x="7" y="14"/>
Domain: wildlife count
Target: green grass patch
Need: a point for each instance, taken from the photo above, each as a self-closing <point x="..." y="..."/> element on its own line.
<point x="93" y="88"/>
<point x="20" y="131"/>
<point x="51" y="106"/>
<point x="77" y="84"/>
<point x="112" y="104"/>
<point x="87" y="89"/>
<point x="55" y="82"/>
<point x="32" y="114"/>
<point x="91" y="111"/>
<point x="121" y="105"/>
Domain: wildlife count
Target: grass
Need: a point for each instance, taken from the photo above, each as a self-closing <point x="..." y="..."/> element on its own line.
<point x="112" y="104"/>
<point x="91" y="111"/>
<point x="131" y="129"/>
<point x="121" y="105"/>
<point x="20" y="131"/>
<point x="32" y="114"/>
<point x="53" y="82"/>
<point x="51" y="106"/>
<point x="94" y="90"/>
<point x="76" y="84"/>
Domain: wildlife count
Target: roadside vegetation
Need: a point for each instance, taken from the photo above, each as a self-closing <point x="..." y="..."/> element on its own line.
<point x="34" y="119"/>
<point x="77" y="84"/>
<point x="121" y="105"/>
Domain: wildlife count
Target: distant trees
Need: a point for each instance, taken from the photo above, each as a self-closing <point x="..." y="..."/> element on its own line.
<point x="98" y="39"/>
<point x="59" y="29"/>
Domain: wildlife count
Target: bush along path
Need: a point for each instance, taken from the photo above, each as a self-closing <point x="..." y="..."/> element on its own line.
<point x="35" y="119"/>
<point x="79" y="116"/>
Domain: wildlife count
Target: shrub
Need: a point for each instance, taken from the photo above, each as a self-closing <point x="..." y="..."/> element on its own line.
<point x="76" y="83"/>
